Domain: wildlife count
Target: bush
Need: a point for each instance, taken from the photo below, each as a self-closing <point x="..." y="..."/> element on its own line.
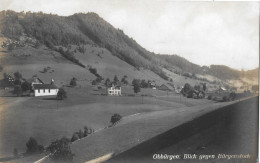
<point x="93" y="70"/>
<point x="209" y="97"/>
<point x="74" y="137"/>
<point x="60" y="151"/>
<point x="81" y="134"/>
<point x="232" y="96"/>
<point x="33" y="147"/>
<point x="26" y="86"/>
<point x="115" y="118"/>
<point x="62" y="94"/>
<point x="225" y="98"/>
<point x="73" y="82"/>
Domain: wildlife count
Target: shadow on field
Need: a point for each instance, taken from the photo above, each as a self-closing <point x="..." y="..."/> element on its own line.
<point x="229" y="130"/>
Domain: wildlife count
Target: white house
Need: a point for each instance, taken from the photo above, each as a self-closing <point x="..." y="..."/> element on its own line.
<point x="114" y="91"/>
<point x="45" y="90"/>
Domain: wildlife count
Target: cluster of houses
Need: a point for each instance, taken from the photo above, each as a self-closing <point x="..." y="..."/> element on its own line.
<point x="39" y="88"/>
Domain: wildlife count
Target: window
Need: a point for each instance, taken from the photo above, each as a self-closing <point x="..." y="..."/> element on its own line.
<point x="38" y="91"/>
<point x="43" y="90"/>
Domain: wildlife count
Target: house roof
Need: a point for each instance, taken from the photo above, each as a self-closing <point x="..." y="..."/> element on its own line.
<point x="45" y="86"/>
<point x="35" y="80"/>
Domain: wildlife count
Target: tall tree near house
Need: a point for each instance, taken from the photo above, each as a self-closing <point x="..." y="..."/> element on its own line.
<point x="116" y="79"/>
<point x="137" y="88"/>
<point x="108" y="82"/>
<point x="123" y="80"/>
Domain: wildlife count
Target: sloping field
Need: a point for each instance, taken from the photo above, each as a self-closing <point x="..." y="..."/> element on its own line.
<point x="108" y="65"/>
<point x="30" y="61"/>
<point x="231" y="130"/>
<point x="135" y="130"/>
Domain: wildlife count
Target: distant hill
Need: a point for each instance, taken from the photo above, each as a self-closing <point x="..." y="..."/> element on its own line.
<point x="81" y="29"/>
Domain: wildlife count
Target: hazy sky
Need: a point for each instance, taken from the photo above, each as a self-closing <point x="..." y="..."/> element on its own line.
<point x="203" y="32"/>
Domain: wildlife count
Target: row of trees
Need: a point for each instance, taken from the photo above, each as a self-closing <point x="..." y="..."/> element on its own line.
<point x="196" y="92"/>
<point x="81" y="134"/>
<point x="20" y="85"/>
<point x="116" y="81"/>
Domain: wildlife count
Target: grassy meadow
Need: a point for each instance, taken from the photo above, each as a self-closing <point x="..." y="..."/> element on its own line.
<point x="47" y="119"/>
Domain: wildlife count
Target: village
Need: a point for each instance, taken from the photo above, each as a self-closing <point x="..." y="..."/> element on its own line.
<point x="34" y="86"/>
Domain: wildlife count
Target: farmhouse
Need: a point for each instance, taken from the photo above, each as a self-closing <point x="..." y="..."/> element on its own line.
<point x="163" y="87"/>
<point x="45" y="90"/>
<point x="114" y="91"/>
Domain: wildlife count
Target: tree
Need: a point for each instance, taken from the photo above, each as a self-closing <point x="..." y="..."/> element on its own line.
<point x="81" y="134"/>
<point x="60" y="151"/>
<point x="85" y="131"/>
<point x="107" y="82"/>
<point x="123" y="80"/>
<point x="17" y="82"/>
<point x="136" y="82"/>
<point x="17" y="76"/>
<point x="26" y="86"/>
<point x="204" y="87"/>
<point x="11" y="47"/>
<point x="73" y="82"/>
<point x="62" y="94"/>
<point x="116" y="79"/>
<point x="115" y="118"/>
<point x="187" y="88"/>
<point x="232" y="95"/>
<point x="197" y="87"/>
<point x="137" y="88"/>
<point x="32" y="146"/>
<point x="17" y="90"/>
<point x="144" y="84"/>
<point x="75" y="137"/>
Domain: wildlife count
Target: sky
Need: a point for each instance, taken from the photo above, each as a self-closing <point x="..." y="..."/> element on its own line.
<point x="204" y="32"/>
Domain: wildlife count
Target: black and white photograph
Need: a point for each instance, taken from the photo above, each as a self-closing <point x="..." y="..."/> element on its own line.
<point x="129" y="81"/>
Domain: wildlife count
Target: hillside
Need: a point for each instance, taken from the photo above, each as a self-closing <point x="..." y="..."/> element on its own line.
<point x="91" y="34"/>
